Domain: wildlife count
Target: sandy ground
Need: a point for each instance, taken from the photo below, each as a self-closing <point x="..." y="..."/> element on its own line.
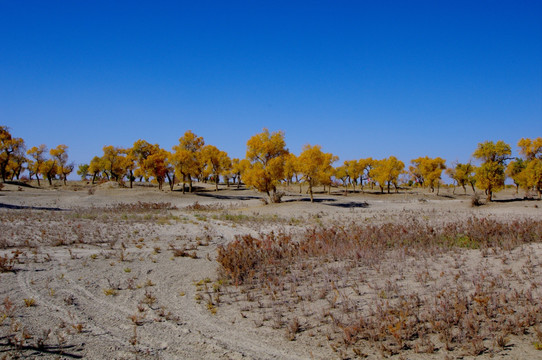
<point x="96" y="280"/>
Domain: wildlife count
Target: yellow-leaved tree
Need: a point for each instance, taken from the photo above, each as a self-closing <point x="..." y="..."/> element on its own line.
<point x="36" y="163"/>
<point x="427" y="171"/>
<point x="531" y="149"/>
<point x="490" y="174"/>
<point x="140" y="152"/>
<point x="115" y="162"/>
<point x="314" y="165"/>
<point x="530" y="178"/>
<point x="267" y="153"/>
<point x="341" y="173"/>
<point x="158" y="166"/>
<point x="218" y="162"/>
<point x="291" y="170"/>
<point x="354" y="172"/>
<point x="186" y="157"/>
<point x="514" y="171"/>
<point x="463" y="175"/>
<point x="9" y="147"/>
<point x="95" y="167"/>
<point x="16" y="164"/>
<point x="386" y="172"/>
<point x="60" y="156"/>
<point x="365" y="166"/>
<point x="50" y="170"/>
<point x="238" y="169"/>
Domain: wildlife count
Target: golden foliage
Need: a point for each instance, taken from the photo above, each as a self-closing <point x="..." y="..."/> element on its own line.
<point x="427" y="171"/>
<point x="267" y="154"/>
<point x="490" y="175"/>
<point x="386" y="172"/>
<point x="314" y="165"/>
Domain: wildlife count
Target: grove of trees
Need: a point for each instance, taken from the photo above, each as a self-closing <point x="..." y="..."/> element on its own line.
<point x="14" y="159"/>
<point x="268" y="163"/>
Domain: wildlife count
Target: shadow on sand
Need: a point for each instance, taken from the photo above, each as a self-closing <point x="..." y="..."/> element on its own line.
<point x="351" y="205"/>
<point x="22" y="207"/>
<point x="306" y="199"/>
<point x="514" y="200"/>
<point x="20" y="183"/>
<point x="331" y="202"/>
<point x="227" y="197"/>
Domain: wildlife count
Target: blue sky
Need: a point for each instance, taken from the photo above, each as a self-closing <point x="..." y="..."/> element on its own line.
<point x="360" y="78"/>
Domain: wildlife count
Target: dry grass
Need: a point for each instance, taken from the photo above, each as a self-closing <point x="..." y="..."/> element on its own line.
<point x="397" y="280"/>
<point x="395" y="287"/>
<point x="94" y="225"/>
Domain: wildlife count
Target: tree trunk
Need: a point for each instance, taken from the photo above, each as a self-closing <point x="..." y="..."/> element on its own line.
<point x="189" y="184"/>
<point x="38" y="178"/>
<point x="388" y="187"/>
<point x="3" y="168"/>
<point x="216" y="183"/>
<point x="310" y="191"/>
<point x="131" y="179"/>
<point x="171" y="181"/>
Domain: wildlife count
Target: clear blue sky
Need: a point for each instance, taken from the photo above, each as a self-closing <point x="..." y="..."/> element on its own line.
<point x="360" y="78"/>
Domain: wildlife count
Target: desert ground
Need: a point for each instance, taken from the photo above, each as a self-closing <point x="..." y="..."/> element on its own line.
<point x="105" y="272"/>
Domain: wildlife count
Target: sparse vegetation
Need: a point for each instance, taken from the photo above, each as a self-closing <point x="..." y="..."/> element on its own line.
<point x="412" y="277"/>
<point x="463" y="309"/>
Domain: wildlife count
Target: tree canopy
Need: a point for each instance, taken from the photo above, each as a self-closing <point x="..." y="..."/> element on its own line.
<point x="268" y="163"/>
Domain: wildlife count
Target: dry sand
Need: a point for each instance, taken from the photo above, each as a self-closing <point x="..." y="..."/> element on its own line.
<point x="106" y="284"/>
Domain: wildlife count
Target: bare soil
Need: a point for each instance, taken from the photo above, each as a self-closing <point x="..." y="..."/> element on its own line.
<point x="108" y="272"/>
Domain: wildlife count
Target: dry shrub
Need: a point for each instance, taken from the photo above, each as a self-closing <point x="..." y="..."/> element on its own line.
<point x="475" y="201"/>
<point x="139" y="207"/>
<point x="463" y="312"/>
<point x="247" y="256"/>
<point x="196" y="206"/>
<point x="6" y="263"/>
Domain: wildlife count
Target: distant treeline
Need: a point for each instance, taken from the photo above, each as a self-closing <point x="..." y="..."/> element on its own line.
<point x="268" y="163"/>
